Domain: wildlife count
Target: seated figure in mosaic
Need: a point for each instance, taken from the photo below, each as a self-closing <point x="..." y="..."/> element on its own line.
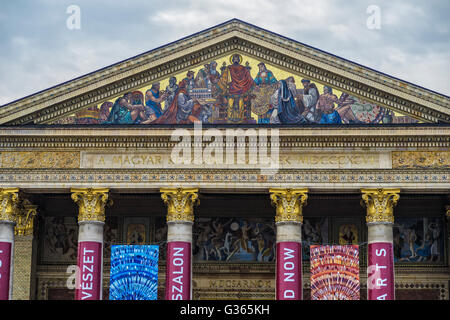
<point x="325" y="105"/>
<point x="123" y="112"/>
<point x="153" y="101"/>
<point x="310" y="96"/>
<point x="183" y="109"/>
<point x="286" y="110"/>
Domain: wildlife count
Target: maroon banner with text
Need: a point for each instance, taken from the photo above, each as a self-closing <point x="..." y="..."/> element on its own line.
<point x="178" y="271"/>
<point x="5" y="269"/>
<point x="89" y="281"/>
<point x="380" y="271"/>
<point x="289" y="271"/>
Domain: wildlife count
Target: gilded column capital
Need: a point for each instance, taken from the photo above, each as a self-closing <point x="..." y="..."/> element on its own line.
<point x="380" y="204"/>
<point x="9" y="200"/>
<point x="91" y="203"/>
<point x="25" y="218"/>
<point x="289" y="204"/>
<point x="180" y="203"/>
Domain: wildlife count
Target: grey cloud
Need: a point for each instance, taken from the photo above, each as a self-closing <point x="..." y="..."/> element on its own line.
<point x="38" y="51"/>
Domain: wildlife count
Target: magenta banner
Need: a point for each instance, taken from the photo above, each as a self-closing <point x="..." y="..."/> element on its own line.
<point x="178" y="271"/>
<point x="380" y="271"/>
<point x="5" y="269"/>
<point x="289" y="271"/>
<point x="89" y="281"/>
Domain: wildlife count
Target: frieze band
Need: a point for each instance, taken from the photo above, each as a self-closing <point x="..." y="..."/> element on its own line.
<point x="142" y="160"/>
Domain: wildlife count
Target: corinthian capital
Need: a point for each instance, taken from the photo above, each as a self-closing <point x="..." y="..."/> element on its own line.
<point x="91" y="203"/>
<point x="180" y="203"/>
<point x="289" y="204"/>
<point x="380" y="204"/>
<point x="25" y="218"/>
<point x="9" y="200"/>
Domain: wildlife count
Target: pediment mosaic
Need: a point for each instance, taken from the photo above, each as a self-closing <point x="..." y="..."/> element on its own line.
<point x="235" y="89"/>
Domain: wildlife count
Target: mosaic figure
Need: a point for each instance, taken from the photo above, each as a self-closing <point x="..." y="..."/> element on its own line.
<point x="171" y="91"/>
<point x="264" y="76"/>
<point x="235" y="85"/>
<point x="325" y="105"/>
<point x="183" y="109"/>
<point x="153" y="102"/>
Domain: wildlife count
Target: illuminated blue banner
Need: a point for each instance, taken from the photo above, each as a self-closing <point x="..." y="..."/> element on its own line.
<point x="134" y="272"/>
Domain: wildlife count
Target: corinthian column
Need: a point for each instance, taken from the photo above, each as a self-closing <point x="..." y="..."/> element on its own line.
<point x="91" y="219"/>
<point x="288" y="220"/>
<point x="380" y="219"/>
<point x="24" y="252"/>
<point x="180" y="218"/>
<point x="9" y="199"/>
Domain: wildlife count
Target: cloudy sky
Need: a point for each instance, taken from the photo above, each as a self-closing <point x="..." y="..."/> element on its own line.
<point x="38" y="50"/>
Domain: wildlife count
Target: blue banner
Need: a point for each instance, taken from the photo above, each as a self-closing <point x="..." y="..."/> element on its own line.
<point x="134" y="272"/>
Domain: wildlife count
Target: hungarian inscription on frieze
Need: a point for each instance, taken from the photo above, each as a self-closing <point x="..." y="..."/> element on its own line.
<point x="298" y="160"/>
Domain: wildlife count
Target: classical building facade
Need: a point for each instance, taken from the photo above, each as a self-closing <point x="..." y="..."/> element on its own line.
<point x="234" y="144"/>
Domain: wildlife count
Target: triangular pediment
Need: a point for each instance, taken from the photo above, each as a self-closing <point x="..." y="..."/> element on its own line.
<point x="271" y="80"/>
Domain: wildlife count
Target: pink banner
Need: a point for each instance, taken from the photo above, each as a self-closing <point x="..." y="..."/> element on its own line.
<point x="89" y="281"/>
<point x="380" y="271"/>
<point x="178" y="271"/>
<point x="289" y="271"/>
<point x="5" y="269"/>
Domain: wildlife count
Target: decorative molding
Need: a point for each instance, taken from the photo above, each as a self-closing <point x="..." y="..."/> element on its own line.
<point x="40" y="159"/>
<point x="180" y="203"/>
<point x="220" y="178"/>
<point x="25" y="219"/>
<point x="91" y="203"/>
<point x="420" y="159"/>
<point x="138" y="137"/>
<point x="289" y="204"/>
<point x="9" y="204"/>
<point x="380" y="204"/>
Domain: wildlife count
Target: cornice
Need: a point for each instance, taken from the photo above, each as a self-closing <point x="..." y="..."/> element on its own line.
<point x="137" y="137"/>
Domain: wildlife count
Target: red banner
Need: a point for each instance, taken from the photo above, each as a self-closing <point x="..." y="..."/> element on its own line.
<point x="335" y="272"/>
<point x="178" y="271"/>
<point x="380" y="271"/>
<point x="89" y="281"/>
<point x="5" y="269"/>
<point x="289" y="271"/>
